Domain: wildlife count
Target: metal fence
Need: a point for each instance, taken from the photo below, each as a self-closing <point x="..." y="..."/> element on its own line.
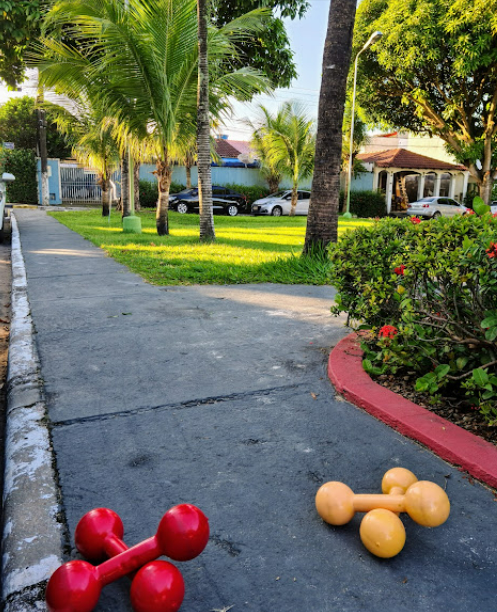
<point x="79" y="185"/>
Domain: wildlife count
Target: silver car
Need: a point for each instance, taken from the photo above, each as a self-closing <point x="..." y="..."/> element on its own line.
<point x="280" y="203"/>
<point x="433" y="207"/>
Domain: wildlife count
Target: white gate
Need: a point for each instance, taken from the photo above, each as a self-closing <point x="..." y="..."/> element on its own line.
<point x="79" y="185"/>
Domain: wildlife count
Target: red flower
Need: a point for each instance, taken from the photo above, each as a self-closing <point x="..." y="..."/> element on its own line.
<point x="400" y="270"/>
<point x="387" y="331"/>
<point x="470" y="211"/>
<point x="415" y="220"/>
<point x="492" y="250"/>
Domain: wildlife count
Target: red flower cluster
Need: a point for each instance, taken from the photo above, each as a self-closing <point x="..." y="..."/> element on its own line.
<point x="388" y="331"/>
<point x="492" y="250"/>
<point x="470" y="211"/>
<point x="400" y="270"/>
<point x="415" y="220"/>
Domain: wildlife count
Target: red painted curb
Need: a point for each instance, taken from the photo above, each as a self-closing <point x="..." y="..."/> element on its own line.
<point x="449" y="441"/>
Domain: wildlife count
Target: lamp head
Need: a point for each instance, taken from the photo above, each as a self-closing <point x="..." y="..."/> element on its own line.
<point x="373" y="38"/>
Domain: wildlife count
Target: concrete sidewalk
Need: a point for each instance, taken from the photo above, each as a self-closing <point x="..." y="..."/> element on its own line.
<point x="218" y="396"/>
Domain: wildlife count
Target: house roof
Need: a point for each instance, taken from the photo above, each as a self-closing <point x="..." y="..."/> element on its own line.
<point x="225" y="149"/>
<point x="402" y="158"/>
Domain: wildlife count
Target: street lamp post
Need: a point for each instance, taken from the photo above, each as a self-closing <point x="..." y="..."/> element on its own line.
<point x="373" y="38"/>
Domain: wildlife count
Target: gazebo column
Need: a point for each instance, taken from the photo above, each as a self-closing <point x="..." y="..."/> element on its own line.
<point x="376" y="176"/>
<point x="465" y="184"/>
<point x="389" y="191"/>
<point x="452" y="186"/>
<point x="421" y="185"/>
<point x="438" y="182"/>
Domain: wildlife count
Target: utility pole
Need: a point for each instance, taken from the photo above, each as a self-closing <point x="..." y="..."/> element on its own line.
<point x="42" y="141"/>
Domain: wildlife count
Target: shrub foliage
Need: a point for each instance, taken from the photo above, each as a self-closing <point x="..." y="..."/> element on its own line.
<point x="428" y="294"/>
<point x="365" y="204"/>
<point x="22" y="164"/>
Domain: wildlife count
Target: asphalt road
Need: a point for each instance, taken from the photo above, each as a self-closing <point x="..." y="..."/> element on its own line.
<point x="218" y="396"/>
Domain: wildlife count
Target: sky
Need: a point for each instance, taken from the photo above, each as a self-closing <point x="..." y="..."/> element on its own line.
<point x="307" y="37"/>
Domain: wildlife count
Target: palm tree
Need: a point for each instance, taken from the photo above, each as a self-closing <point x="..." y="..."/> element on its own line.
<point x="290" y="145"/>
<point x="322" y="221"/>
<point x="270" y="170"/>
<point x="203" y="125"/>
<point x="94" y="145"/>
<point x="141" y="62"/>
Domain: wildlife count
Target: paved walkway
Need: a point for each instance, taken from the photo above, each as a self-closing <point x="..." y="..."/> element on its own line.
<point x="218" y="396"/>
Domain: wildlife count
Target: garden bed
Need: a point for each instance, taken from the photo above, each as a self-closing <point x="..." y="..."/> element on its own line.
<point x="471" y="420"/>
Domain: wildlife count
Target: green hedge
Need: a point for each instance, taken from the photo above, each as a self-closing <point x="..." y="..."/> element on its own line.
<point x="149" y="192"/>
<point x="365" y="204"/>
<point x="22" y="164"/>
<point x="428" y="294"/>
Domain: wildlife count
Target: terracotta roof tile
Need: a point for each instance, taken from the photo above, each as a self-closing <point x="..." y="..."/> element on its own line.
<point x="225" y="149"/>
<point x="402" y="158"/>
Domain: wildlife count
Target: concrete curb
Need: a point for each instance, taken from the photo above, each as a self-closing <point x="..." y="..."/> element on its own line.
<point x="449" y="441"/>
<point x="32" y="534"/>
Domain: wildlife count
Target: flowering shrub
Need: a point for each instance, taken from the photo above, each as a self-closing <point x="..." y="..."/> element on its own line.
<point x="388" y="331"/>
<point x="435" y="283"/>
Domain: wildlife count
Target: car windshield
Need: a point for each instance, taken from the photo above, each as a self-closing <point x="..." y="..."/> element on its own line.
<point x="278" y="194"/>
<point x="426" y="200"/>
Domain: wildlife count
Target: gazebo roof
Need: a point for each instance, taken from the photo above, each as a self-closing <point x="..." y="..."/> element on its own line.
<point x="402" y="158"/>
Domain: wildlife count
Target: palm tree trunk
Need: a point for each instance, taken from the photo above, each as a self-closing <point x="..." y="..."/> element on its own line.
<point x="295" y="197"/>
<point x="164" y="175"/>
<point x="188" y="175"/>
<point x="207" y="232"/>
<point x="105" y="185"/>
<point x="273" y="183"/>
<point x="125" y="208"/>
<point x="322" y="222"/>
<point x="137" y="185"/>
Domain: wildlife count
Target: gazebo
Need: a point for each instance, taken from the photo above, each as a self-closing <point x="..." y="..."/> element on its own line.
<point x="406" y="176"/>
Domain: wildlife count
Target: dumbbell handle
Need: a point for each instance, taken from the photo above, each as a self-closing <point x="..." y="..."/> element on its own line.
<point x="364" y="502"/>
<point x="125" y="560"/>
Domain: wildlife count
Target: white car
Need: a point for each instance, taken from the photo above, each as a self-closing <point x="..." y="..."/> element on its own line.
<point x="433" y="207"/>
<point x="6" y="178"/>
<point x="280" y="203"/>
<point x="493" y="207"/>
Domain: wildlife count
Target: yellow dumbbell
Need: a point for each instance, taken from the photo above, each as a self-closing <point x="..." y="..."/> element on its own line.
<point x="425" y="502"/>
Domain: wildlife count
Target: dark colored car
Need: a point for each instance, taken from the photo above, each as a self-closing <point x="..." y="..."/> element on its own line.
<point x="223" y="200"/>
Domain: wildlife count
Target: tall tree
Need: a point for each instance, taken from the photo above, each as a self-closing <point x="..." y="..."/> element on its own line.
<point x="142" y="64"/>
<point x="290" y="145"/>
<point x="203" y="126"/>
<point x="439" y="78"/>
<point x="19" y="25"/>
<point x="322" y="221"/>
<point x="18" y="124"/>
<point x="270" y="50"/>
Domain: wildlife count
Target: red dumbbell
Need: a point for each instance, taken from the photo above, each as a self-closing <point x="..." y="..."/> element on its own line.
<point x="182" y="535"/>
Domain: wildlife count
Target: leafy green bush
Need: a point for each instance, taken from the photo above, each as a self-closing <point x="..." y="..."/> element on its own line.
<point x="149" y="192"/>
<point x="365" y="204"/>
<point x="22" y="164"/>
<point x="428" y="294"/>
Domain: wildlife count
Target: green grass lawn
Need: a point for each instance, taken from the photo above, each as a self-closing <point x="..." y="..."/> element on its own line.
<point x="246" y="250"/>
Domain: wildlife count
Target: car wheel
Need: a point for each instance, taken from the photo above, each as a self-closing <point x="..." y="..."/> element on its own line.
<point x="232" y="210"/>
<point x="276" y="212"/>
<point x="436" y="215"/>
<point x="182" y="207"/>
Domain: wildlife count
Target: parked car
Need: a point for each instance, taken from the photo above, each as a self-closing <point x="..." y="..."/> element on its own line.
<point x="223" y="199"/>
<point x="433" y="207"/>
<point x="280" y="203"/>
<point x="493" y="207"/>
<point x="4" y="179"/>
